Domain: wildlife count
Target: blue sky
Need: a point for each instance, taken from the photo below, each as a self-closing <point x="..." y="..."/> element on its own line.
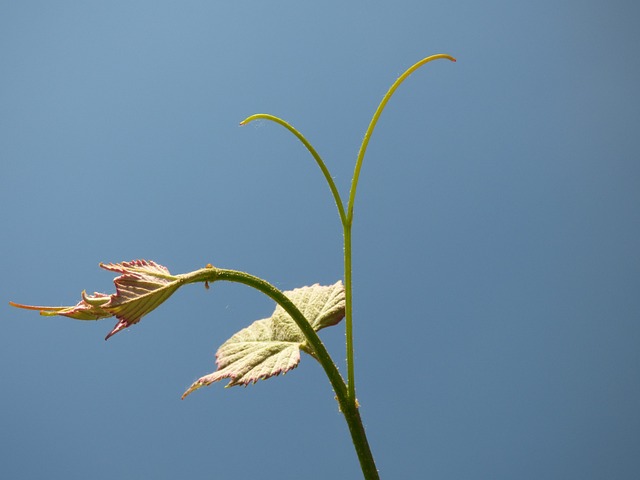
<point x="497" y="225"/>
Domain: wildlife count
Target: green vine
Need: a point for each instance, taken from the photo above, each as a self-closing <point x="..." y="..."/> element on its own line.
<point x="271" y="346"/>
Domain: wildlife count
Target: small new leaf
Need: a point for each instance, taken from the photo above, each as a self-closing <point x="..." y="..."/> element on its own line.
<point x="272" y="346"/>
<point x="142" y="286"/>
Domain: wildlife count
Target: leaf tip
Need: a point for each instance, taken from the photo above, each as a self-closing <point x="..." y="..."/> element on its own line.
<point x="26" y="307"/>
<point x="121" y="325"/>
<point x="194" y="386"/>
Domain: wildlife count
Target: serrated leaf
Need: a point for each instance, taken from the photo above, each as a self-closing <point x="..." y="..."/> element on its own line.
<point x="272" y="346"/>
<point x="142" y="286"/>
<point x="321" y="306"/>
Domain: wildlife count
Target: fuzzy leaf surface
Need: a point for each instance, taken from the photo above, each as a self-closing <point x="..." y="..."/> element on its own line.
<point x="271" y="346"/>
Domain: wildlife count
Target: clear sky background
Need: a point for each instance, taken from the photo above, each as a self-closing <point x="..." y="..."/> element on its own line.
<point x="496" y="236"/>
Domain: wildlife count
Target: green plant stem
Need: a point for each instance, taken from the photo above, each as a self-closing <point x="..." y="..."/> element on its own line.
<point x="348" y="314"/>
<point x="346" y="226"/>
<point x="314" y="153"/>
<point x="348" y="407"/>
<point x="374" y="121"/>
<point x="346" y="393"/>
<point x="347" y="221"/>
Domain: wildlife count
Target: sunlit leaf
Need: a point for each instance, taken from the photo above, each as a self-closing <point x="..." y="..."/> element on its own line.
<point x="272" y="346"/>
<point x="142" y="286"/>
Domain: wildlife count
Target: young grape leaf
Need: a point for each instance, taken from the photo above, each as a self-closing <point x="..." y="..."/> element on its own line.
<point x="272" y="346"/>
<point x="142" y="286"/>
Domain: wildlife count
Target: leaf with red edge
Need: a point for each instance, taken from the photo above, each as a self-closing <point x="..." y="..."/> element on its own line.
<point x="272" y="346"/>
<point x="142" y="286"/>
<point x="89" y="308"/>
